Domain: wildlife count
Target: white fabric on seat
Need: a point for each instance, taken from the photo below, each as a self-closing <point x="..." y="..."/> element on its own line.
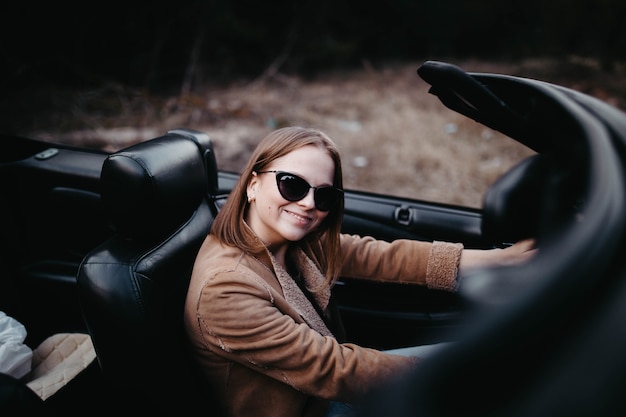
<point x="15" y="356"/>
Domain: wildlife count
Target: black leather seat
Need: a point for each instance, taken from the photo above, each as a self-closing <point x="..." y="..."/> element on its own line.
<point x="158" y="195"/>
<point x="17" y="400"/>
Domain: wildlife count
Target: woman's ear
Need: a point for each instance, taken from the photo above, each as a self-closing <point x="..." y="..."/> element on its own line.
<point x="252" y="187"/>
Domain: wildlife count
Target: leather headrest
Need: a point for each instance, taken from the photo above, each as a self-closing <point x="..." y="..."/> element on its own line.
<point x="151" y="188"/>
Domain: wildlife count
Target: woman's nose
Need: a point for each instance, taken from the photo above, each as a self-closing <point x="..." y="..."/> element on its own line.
<point x="309" y="199"/>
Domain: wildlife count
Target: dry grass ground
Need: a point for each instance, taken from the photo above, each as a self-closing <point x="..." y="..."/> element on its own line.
<point x="395" y="137"/>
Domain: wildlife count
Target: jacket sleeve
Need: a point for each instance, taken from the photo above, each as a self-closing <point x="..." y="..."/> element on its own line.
<point x="434" y="264"/>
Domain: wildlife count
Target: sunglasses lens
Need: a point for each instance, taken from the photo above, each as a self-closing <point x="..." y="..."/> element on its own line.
<point x="326" y="198"/>
<point x="292" y="188"/>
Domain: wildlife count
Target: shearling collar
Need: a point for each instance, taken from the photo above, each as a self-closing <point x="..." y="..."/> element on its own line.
<point x="313" y="278"/>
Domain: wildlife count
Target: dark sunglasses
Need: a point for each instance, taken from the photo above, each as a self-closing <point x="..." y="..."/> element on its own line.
<point x="295" y="188"/>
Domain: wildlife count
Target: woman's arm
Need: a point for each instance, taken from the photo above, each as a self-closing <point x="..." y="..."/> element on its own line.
<point x="519" y="252"/>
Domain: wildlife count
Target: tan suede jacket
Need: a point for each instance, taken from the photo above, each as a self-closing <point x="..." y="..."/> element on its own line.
<point x="261" y="344"/>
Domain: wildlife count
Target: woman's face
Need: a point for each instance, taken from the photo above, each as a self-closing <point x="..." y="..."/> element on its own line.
<point x="277" y="221"/>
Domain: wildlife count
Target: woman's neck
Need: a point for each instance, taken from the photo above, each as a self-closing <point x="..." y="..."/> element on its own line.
<point x="279" y="253"/>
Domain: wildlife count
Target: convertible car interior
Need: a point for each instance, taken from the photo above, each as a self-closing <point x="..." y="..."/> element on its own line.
<point x="102" y="244"/>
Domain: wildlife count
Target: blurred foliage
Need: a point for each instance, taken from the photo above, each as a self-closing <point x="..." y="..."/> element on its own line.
<point x="159" y="44"/>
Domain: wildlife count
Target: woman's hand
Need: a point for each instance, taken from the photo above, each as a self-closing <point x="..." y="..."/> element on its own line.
<point x="517" y="253"/>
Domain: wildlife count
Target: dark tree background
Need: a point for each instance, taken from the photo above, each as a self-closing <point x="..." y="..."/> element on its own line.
<point x="151" y="44"/>
<point x="157" y="45"/>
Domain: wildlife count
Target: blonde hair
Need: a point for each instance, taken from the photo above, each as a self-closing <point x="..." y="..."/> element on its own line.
<point x="321" y="245"/>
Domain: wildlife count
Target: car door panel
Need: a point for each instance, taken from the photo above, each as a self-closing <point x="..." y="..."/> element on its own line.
<point x="391" y="218"/>
<point x="51" y="217"/>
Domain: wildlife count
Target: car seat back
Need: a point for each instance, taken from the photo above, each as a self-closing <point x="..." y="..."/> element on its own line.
<point x="158" y="195"/>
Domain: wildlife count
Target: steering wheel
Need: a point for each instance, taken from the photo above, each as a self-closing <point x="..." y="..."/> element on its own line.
<point x="540" y="193"/>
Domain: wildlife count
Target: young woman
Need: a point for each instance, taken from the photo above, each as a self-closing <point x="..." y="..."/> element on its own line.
<point x="259" y="312"/>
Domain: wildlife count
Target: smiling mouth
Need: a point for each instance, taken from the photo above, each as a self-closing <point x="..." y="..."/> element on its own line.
<point x="298" y="217"/>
